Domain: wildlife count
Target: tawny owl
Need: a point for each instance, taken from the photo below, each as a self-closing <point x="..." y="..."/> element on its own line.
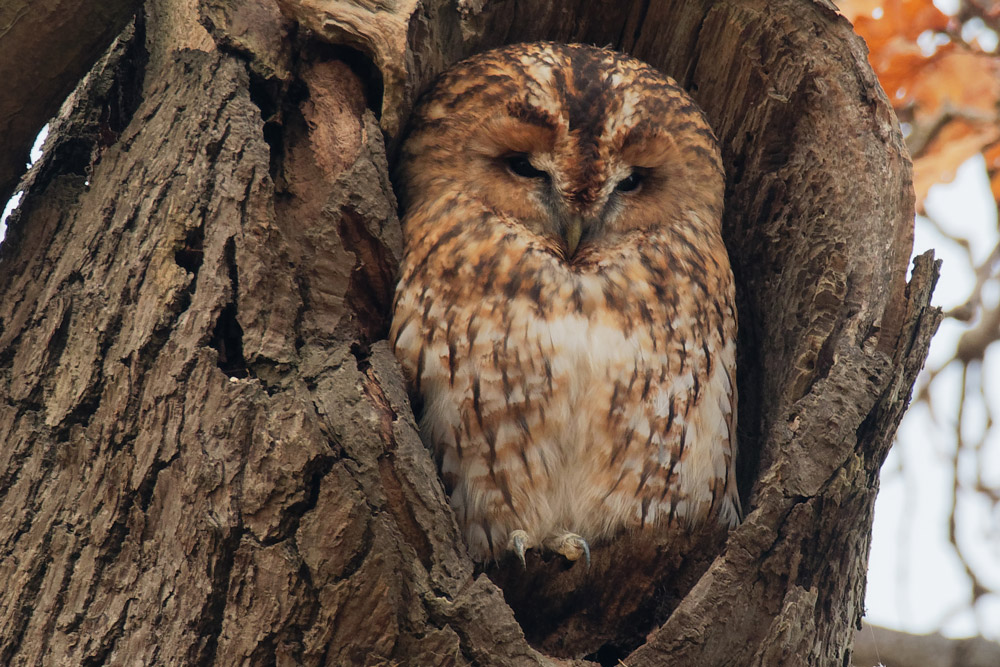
<point x="565" y="314"/>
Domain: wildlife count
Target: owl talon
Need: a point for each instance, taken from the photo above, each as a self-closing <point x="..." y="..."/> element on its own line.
<point x="518" y="543"/>
<point x="572" y="546"/>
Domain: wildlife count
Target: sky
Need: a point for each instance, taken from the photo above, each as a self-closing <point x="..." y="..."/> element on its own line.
<point x="915" y="581"/>
<point x="7" y="210"/>
<point x="36" y="152"/>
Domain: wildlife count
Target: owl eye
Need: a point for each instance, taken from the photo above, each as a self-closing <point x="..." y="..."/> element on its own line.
<point x="521" y="166"/>
<point x="630" y="182"/>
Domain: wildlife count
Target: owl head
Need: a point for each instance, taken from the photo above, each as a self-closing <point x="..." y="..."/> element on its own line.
<point x="580" y="146"/>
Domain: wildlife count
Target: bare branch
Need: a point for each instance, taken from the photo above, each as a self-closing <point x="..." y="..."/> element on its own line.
<point x="874" y="645"/>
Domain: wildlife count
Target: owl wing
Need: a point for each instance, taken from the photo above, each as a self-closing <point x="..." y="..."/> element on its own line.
<point x="672" y="425"/>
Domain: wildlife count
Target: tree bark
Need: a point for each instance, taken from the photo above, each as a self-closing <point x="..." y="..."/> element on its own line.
<point x="45" y="47"/>
<point x="209" y="455"/>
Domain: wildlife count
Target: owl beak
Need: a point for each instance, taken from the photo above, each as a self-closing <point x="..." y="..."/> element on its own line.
<point x="573" y="233"/>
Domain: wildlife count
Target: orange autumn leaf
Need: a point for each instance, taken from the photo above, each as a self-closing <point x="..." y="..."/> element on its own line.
<point x="955" y="143"/>
<point x="959" y="82"/>
<point x="949" y="98"/>
<point x="898" y="64"/>
<point x="905" y="19"/>
<point x="908" y="75"/>
<point x="852" y="9"/>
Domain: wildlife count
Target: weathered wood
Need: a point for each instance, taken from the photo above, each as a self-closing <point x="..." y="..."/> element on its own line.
<point x="45" y="47"/>
<point x="208" y="450"/>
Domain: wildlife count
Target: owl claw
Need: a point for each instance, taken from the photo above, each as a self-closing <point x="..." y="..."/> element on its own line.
<point x="518" y="543"/>
<point x="586" y="551"/>
<point x="572" y="546"/>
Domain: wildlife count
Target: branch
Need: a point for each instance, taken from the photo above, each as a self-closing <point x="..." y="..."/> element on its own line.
<point x="874" y="645"/>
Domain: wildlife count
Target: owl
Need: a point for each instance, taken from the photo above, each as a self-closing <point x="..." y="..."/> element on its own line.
<point x="565" y="314"/>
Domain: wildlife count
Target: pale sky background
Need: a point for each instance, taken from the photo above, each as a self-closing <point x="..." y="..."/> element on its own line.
<point x="915" y="582"/>
<point x="36" y="152"/>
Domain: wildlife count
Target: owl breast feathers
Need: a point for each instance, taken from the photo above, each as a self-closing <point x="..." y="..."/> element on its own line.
<point x="565" y="315"/>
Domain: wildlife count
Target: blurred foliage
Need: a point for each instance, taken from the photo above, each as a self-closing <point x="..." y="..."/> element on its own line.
<point x="943" y="83"/>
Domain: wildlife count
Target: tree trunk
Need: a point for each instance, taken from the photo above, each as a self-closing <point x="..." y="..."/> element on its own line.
<point x="208" y="452"/>
<point x="45" y="47"/>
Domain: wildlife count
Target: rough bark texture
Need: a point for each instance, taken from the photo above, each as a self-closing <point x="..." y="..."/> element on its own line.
<point x="208" y="454"/>
<point x="45" y="47"/>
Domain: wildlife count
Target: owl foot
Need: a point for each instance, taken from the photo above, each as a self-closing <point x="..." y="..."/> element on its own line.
<point x="570" y="545"/>
<point x="518" y="542"/>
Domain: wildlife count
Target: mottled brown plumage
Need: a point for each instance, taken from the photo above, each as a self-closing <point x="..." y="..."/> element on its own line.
<point x="565" y="313"/>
